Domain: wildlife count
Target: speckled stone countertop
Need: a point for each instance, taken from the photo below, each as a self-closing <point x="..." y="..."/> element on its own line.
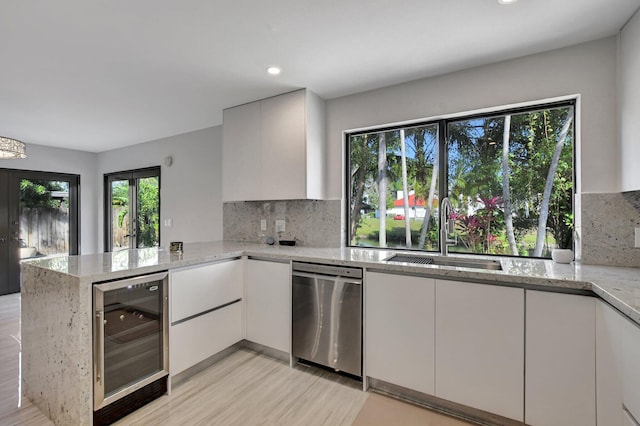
<point x="620" y="287"/>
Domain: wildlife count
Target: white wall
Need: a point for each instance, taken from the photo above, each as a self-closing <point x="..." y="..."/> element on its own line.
<point x="43" y="158"/>
<point x="191" y="188"/>
<point x="630" y="104"/>
<point x="588" y="69"/>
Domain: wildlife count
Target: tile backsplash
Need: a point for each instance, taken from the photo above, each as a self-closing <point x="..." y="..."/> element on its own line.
<point x="310" y="222"/>
<point x="608" y="229"/>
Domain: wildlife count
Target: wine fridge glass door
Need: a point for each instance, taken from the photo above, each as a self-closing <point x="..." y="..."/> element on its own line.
<point x="130" y="335"/>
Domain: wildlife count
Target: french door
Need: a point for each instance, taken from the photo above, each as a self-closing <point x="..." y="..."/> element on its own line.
<point x="38" y="217"/>
<point x="132" y="209"/>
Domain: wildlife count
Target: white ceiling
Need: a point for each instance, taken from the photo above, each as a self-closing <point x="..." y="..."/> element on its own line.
<point x="94" y="75"/>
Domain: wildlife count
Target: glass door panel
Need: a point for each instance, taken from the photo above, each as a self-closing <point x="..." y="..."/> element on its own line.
<point x="148" y="212"/>
<point x="132" y="214"/>
<point x="120" y="224"/>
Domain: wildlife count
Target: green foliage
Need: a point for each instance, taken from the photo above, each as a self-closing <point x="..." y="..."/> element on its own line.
<point x="148" y="212"/>
<point x="37" y="193"/>
<point x="148" y="205"/>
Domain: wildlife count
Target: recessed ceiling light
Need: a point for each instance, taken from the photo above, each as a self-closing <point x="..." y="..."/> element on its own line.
<point x="274" y="70"/>
<point x="507" y="1"/>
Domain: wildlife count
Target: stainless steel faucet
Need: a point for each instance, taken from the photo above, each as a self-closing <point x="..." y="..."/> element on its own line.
<point x="446" y="226"/>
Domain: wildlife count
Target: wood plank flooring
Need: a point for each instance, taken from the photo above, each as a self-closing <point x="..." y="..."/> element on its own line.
<point x="244" y="388"/>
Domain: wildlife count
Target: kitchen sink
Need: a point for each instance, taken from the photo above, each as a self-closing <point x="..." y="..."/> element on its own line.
<point x="493" y="265"/>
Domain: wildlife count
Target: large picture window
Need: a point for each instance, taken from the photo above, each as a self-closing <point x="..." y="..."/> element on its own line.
<point x="509" y="176"/>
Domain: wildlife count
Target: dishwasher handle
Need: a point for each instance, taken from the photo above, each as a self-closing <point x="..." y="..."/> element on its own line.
<point x="326" y="277"/>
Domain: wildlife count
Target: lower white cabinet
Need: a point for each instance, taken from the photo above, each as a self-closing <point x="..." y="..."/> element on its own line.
<point x="199" y="288"/>
<point x="197" y="339"/>
<point x="618" y="367"/>
<point x="479" y="343"/>
<point x="268" y="303"/>
<point x="609" y="331"/>
<point x="631" y="367"/>
<point x="560" y="359"/>
<point x="399" y="330"/>
<point x="205" y="311"/>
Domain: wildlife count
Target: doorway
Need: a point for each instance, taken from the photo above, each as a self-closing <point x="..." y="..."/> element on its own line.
<point x="132" y="209"/>
<point x="38" y="218"/>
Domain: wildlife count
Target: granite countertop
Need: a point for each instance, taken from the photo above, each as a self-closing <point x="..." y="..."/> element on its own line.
<point x="618" y="286"/>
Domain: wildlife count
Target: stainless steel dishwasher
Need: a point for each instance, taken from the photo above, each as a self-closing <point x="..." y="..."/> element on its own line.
<point x="327" y="316"/>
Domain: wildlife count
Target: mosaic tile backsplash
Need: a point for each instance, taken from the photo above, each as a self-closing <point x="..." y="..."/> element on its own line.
<point x="608" y="229"/>
<point x="314" y="223"/>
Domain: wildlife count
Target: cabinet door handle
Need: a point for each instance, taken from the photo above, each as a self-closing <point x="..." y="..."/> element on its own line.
<point x="100" y="347"/>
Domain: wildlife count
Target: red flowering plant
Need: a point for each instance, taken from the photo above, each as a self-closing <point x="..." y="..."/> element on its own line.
<point x="478" y="231"/>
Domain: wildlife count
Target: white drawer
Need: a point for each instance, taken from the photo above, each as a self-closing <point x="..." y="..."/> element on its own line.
<point x="198" y="289"/>
<point x="201" y="337"/>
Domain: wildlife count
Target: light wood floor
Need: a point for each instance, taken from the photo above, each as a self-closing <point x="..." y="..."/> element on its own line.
<point x="245" y="388"/>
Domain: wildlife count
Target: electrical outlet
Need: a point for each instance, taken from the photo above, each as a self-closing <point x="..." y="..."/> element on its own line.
<point x="263" y="224"/>
<point x="280" y="225"/>
<point x="638" y="237"/>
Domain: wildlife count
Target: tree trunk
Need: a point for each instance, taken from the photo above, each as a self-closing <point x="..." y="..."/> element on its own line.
<point x="382" y="188"/>
<point x="546" y="195"/>
<point x="405" y="190"/>
<point x="360" y="176"/>
<point x="427" y="214"/>
<point x="506" y="190"/>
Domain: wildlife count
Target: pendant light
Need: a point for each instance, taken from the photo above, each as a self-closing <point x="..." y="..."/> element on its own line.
<point x="12" y="148"/>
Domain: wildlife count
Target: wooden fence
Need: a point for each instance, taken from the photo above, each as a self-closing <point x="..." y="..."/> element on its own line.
<point x="45" y="229"/>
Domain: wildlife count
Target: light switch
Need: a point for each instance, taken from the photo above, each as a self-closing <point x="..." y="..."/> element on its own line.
<point x="638" y="237"/>
<point x="280" y="225"/>
<point x="263" y="224"/>
<point x="168" y="223"/>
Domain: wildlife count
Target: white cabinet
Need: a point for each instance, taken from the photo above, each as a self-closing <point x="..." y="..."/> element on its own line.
<point x="480" y="346"/>
<point x="268" y="303"/>
<point x="631" y="367"/>
<point x="617" y="367"/>
<point x="199" y="338"/>
<point x="197" y="289"/>
<point x="399" y="330"/>
<point x="609" y="329"/>
<point x="241" y="153"/>
<point x="205" y="311"/>
<point x="273" y="149"/>
<point x="560" y="359"/>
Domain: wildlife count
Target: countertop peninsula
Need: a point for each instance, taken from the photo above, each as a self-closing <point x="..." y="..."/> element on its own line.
<point x="56" y="299"/>
<point x="619" y="286"/>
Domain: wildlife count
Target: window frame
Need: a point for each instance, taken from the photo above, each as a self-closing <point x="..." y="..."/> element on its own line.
<point x="443" y="136"/>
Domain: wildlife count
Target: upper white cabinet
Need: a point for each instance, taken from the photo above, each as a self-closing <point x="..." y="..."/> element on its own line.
<point x="273" y="149"/>
<point x="241" y="153"/>
<point x="480" y="346"/>
<point x="560" y="359"/>
<point x="399" y="330"/>
<point x="268" y="303"/>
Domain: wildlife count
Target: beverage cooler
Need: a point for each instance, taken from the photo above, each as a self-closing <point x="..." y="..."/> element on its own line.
<point x="131" y="350"/>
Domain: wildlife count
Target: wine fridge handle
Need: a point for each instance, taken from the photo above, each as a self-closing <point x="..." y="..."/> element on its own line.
<point x="100" y="347"/>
